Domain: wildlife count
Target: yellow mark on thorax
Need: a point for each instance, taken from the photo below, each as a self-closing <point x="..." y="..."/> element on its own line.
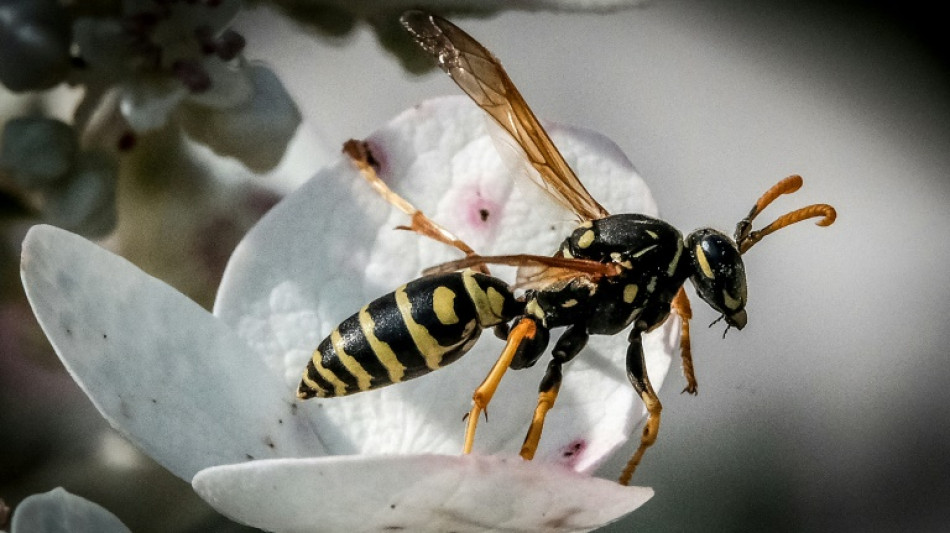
<point x="586" y="239"/>
<point x="533" y="309"/>
<point x="644" y="250"/>
<point x="630" y="293"/>
<point x="676" y="258"/>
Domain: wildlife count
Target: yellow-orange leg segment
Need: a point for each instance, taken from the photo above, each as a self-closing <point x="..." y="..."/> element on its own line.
<point x="650" y="431"/>
<point x="525" y="329"/>
<point x="421" y="224"/>
<point x="681" y="307"/>
<point x="546" y="400"/>
<point x="636" y="372"/>
<point x="567" y="347"/>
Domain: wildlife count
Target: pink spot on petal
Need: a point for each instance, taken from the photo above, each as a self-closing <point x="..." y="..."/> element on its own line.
<point x="470" y="213"/>
<point x="571" y="453"/>
<point x="481" y="213"/>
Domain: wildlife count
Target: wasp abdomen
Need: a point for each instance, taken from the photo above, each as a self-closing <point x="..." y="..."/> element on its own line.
<point x="420" y="327"/>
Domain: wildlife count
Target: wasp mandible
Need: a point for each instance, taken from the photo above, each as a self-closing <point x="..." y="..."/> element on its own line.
<point x="612" y="272"/>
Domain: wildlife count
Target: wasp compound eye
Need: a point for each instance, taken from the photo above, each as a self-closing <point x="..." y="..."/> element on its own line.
<point x="718" y="274"/>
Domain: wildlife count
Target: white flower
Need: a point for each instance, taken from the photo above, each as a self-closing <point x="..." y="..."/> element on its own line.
<point x="180" y="60"/>
<point x="212" y="396"/>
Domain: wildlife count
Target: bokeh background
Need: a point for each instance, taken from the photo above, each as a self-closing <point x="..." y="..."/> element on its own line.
<point x="830" y="411"/>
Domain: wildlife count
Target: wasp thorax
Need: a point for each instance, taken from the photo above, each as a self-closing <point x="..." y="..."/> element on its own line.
<point x="718" y="274"/>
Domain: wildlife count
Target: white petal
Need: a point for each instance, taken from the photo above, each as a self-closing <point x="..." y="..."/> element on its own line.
<point x="58" y="511"/>
<point x="163" y="371"/>
<point x="257" y="131"/>
<point x="414" y="493"/>
<point x="231" y="86"/>
<point x="145" y="102"/>
<point x="329" y="248"/>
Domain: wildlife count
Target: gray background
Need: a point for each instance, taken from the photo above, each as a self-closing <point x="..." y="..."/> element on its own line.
<point x="830" y="410"/>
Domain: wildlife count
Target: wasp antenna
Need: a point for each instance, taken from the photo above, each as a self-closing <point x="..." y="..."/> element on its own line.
<point x="825" y="211"/>
<point x="785" y="186"/>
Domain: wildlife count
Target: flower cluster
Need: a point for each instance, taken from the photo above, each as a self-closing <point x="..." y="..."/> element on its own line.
<point x="180" y="60"/>
<point x="142" y="66"/>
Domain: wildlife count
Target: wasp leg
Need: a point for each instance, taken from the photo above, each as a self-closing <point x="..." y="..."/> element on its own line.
<point x="681" y="307"/>
<point x="526" y="335"/>
<point x="569" y="345"/>
<point x="421" y="224"/>
<point x="637" y="373"/>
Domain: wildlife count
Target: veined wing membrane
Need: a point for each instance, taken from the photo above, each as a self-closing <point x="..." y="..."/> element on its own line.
<point x="534" y="271"/>
<point x="482" y="77"/>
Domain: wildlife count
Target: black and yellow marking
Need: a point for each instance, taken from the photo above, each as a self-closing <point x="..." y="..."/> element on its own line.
<point x="420" y="327"/>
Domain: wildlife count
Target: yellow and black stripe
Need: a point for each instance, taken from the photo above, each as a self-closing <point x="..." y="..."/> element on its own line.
<point x="420" y="327"/>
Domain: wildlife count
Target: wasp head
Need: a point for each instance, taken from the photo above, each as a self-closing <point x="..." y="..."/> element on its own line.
<point x="718" y="274"/>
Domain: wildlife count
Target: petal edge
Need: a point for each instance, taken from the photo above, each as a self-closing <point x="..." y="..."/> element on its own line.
<point x="414" y="493"/>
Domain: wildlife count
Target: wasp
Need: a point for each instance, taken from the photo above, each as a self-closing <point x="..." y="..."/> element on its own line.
<point x="612" y="272"/>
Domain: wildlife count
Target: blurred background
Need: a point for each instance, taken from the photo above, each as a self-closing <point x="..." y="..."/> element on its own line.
<point x="830" y="410"/>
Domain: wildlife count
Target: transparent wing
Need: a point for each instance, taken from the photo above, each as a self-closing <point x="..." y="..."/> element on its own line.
<point x="550" y="278"/>
<point x="482" y="77"/>
<point x="534" y="271"/>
